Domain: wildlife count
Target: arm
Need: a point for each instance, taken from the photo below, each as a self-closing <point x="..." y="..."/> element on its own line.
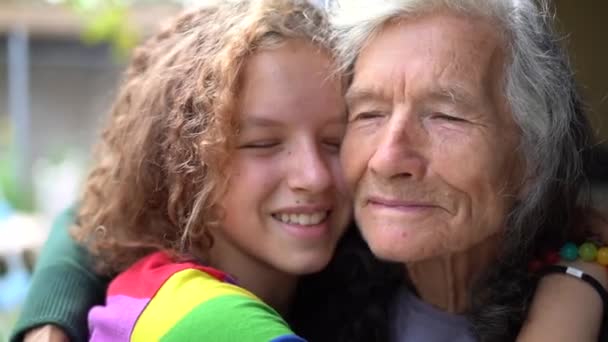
<point x="565" y="308"/>
<point x="63" y="288"/>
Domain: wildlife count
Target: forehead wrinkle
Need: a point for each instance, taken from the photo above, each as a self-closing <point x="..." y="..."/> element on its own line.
<point x="365" y="93"/>
<point x="455" y="92"/>
<point x="461" y="83"/>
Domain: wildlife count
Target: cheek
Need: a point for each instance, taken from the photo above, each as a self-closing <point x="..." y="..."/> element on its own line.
<point x="251" y="182"/>
<point x="354" y="154"/>
<point x="483" y="181"/>
<point x="341" y="194"/>
<point x="335" y="166"/>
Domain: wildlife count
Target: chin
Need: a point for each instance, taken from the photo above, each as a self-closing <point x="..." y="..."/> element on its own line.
<point x="392" y="250"/>
<point x="388" y="254"/>
<point x="307" y="265"/>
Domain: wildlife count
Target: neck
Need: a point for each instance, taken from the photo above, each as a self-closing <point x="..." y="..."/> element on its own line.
<point x="273" y="287"/>
<point x="446" y="281"/>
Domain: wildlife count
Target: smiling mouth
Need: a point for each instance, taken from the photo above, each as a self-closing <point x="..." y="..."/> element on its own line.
<point x="308" y="219"/>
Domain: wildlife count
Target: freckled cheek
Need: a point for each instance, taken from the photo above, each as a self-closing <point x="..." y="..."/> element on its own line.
<point x="257" y="179"/>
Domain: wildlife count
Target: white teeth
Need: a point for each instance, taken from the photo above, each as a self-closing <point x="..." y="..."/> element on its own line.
<point x="318" y="217"/>
<point x="302" y="219"/>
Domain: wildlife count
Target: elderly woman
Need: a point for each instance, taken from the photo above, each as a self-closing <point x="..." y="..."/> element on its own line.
<point x="462" y="155"/>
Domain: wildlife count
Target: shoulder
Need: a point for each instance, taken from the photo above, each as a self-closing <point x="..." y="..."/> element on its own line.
<point x="191" y="302"/>
<point x="144" y="278"/>
<point x="231" y="317"/>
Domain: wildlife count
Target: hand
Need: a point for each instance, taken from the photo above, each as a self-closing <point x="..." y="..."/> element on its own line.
<point x="46" y="333"/>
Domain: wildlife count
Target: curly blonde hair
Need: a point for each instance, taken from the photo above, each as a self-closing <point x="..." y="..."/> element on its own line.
<point x="159" y="170"/>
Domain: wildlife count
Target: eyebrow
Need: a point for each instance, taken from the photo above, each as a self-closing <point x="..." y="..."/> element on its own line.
<point x="454" y="93"/>
<point x="357" y="94"/>
<point x="259" y="121"/>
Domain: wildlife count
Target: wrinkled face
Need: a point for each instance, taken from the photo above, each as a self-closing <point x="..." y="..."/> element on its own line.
<point x="287" y="206"/>
<point x="430" y="149"/>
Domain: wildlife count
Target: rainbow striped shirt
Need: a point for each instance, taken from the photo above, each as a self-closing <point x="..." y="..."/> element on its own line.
<point x="158" y="299"/>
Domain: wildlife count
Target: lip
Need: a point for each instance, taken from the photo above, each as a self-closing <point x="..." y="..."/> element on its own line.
<point x="398" y="203"/>
<point x="315" y="232"/>
<point x="311" y="232"/>
<point x="399" y="206"/>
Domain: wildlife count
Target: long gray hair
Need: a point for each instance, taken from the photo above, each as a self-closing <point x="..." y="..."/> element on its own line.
<point x="542" y="95"/>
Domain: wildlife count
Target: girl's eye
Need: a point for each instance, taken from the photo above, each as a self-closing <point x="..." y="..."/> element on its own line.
<point x="259" y="145"/>
<point x="333" y="145"/>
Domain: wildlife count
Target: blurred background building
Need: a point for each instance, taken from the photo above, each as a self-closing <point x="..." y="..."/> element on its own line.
<point x="60" y="62"/>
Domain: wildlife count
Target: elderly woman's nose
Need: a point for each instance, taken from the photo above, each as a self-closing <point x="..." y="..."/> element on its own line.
<point x="309" y="170"/>
<point x="398" y="153"/>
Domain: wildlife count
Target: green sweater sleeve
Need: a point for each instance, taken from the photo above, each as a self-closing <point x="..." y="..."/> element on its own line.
<point x="64" y="286"/>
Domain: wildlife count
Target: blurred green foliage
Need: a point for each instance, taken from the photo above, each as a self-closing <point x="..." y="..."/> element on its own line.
<point x="111" y="25"/>
<point x="17" y="197"/>
<point x="106" y="21"/>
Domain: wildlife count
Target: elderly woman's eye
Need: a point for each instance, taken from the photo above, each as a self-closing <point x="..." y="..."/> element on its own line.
<point x="367" y="116"/>
<point x="447" y="117"/>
